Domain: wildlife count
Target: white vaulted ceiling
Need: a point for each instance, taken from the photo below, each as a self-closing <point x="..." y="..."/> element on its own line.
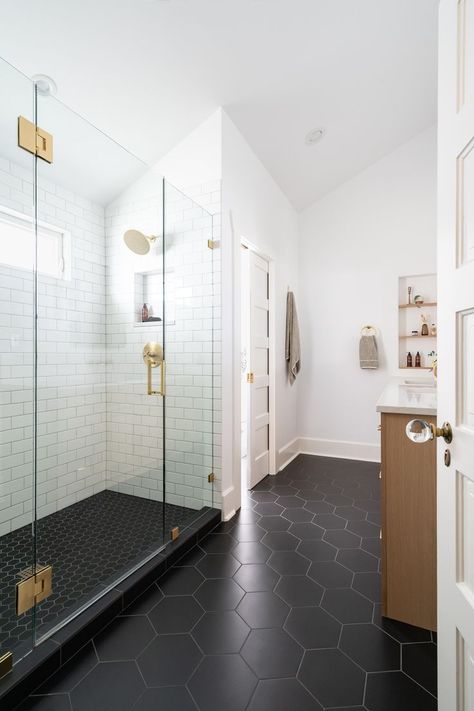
<point x="148" y="71"/>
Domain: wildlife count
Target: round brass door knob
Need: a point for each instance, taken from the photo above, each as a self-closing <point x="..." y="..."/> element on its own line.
<point x="420" y="431"/>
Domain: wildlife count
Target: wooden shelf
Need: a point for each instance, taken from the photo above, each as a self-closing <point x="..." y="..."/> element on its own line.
<point x="412" y="316"/>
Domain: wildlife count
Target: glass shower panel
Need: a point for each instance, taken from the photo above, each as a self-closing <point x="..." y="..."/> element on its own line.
<point x="17" y="377"/>
<point x="190" y="351"/>
<point x="99" y="459"/>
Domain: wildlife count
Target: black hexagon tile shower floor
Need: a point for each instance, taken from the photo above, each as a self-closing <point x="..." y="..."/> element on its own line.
<point x="277" y="609"/>
<point x="89" y="544"/>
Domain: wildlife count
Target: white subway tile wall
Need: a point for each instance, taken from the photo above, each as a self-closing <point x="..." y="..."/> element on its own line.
<point x="97" y="428"/>
<point x="192" y="349"/>
<point x="71" y="451"/>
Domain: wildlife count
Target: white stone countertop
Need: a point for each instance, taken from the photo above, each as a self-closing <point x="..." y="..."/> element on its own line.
<point x="415" y="397"/>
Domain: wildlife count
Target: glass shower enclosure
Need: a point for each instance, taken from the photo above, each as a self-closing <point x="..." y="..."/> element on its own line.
<point x="108" y="313"/>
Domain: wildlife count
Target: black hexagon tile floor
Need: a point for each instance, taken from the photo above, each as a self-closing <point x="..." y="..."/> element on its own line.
<point x="277" y="609"/>
<point x="110" y="531"/>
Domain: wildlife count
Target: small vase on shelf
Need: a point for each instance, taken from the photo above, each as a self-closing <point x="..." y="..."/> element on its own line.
<point x="424" y="326"/>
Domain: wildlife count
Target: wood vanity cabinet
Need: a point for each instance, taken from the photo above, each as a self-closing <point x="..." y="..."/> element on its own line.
<point x="408" y="476"/>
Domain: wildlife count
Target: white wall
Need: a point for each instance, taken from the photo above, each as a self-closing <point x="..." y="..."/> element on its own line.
<point x="354" y="244"/>
<point x="254" y="208"/>
<point x="196" y="160"/>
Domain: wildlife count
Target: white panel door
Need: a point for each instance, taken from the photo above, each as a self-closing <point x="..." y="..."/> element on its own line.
<point x="259" y="380"/>
<point x="456" y="355"/>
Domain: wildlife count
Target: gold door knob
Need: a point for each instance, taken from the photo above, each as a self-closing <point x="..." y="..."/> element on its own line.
<point x="420" y="431"/>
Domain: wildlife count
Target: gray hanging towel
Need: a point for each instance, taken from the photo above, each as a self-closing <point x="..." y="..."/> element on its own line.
<point x="292" y="340"/>
<point x="368" y="353"/>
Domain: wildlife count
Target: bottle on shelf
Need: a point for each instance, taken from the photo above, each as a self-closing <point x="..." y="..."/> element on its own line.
<point x="409" y="360"/>
<point x="433" y="330"/>
<point x="144" y="312"/>
<point x="418" y="360"/>
<point x="424" y="326"/>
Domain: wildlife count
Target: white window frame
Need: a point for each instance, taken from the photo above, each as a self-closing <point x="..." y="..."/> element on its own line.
<point x="64" y="239"/>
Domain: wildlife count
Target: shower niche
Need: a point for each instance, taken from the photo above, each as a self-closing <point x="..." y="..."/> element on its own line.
<point x="149" y="287"/>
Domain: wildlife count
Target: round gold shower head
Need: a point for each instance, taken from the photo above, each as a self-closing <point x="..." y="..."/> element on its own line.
<point x="137" y="242"/>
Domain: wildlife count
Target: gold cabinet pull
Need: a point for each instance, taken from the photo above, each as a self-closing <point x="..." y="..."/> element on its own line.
<point x="153" y="357"/>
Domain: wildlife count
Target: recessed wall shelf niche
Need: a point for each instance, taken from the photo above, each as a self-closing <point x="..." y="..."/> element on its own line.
<point x="410" y="320"/>
<point x="149" y="290"/>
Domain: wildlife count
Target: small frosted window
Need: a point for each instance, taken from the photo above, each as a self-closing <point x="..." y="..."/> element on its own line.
<point x="17" y="245"/>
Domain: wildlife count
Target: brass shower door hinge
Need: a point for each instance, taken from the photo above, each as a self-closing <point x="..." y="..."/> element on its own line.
<point x="250" y="377"/>
<point x="35" y="586"/>
<point x="6" y="664"/>
<point x="213" y="243"/>
<point x="35" y="139"/>
<point x="211" y="477"/>
<point x="175" y="533"/>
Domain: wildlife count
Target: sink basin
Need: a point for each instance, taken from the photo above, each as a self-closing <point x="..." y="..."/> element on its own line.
<point x="419" y="384"/>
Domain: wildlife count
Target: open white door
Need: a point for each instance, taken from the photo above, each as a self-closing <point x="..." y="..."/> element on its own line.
<point x="456" y="355"/>
<point x="258" y="376"/>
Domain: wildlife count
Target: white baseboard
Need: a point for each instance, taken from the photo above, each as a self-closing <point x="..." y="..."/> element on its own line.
<point x="287" y="453"/>
<point x="339" y="449"/>
<point x="230" y="503"/>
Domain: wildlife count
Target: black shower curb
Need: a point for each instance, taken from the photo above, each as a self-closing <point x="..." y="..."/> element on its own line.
<point x="31" y="671"/>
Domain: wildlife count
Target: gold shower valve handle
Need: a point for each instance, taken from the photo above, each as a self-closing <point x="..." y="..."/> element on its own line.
<point x="153" y="357"/>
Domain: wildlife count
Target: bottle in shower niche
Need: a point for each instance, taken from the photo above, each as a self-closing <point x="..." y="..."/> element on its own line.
<point x="144" y="312"/>
<point x="409" y="360"/>
<point x="418" y="360"/>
